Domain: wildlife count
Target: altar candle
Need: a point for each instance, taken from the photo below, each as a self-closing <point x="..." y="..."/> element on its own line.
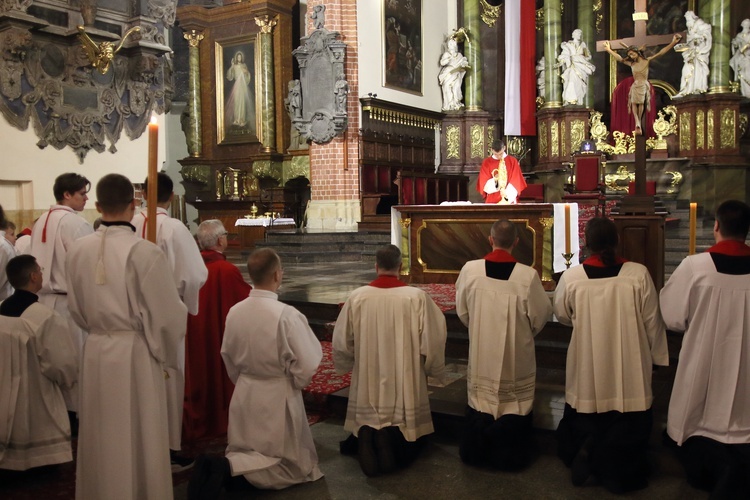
<point x="693" y="219"/>
<point x="153" y="146"/>
<point x="567" y="228"/>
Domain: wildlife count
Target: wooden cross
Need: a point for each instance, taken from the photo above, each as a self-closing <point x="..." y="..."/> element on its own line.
<point x="641" y="38"/>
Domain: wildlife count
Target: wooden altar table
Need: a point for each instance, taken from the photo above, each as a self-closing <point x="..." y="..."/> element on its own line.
<point x="437" y="240"/>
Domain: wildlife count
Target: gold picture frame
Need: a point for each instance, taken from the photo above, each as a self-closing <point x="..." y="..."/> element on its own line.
<point x="402" y="46"/>
<point x="237" y="90"/>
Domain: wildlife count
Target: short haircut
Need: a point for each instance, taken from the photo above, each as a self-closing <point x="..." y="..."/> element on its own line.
<point x="9" y="225"/>
<point x="388" y="258"/>
<point x="498" y="144"/>
<point x="164" y="187"/>
<point x="3" y="220"/>
<point x="734" y="219"/>
<point x="19" y="270"/>
<point x="209" y="232"/>
<point x="69" y="183"/>
<point x="601" y="238"/>
<point x="114" y="192"/>
<point x="261" y="265"/>
<point x="504" y="233"/>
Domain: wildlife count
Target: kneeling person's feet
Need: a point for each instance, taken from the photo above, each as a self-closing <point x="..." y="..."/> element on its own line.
<point x="385" y="450"/>
<point x="209" y="477"/>
<point x="368" y="458"/>
<point x="180" y="462"/>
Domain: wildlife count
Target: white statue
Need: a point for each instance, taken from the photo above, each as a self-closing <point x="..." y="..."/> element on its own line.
<point x="575" y="61"/>
<point x="540" y="86"/>
<point x="740" y="61"/>
<point x="695" y="52"/>
<point x="453" y="68"/>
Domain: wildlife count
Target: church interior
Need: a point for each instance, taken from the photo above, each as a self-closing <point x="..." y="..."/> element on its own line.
<point x="303" y="126"/>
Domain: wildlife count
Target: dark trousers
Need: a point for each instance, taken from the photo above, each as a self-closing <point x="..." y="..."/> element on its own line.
<point x="723" y="469"/>
<point x="506" y="443"/>
<point x="613" y="444"/>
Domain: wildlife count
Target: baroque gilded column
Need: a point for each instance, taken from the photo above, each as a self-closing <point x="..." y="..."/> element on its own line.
<point x="193" y="136"/>
<point x="552" y="40"/>
<point x="267" y="134"/>
<point x="717" y="14"/>
<point x="586" y="25"/>
<point x="473" y="94"/>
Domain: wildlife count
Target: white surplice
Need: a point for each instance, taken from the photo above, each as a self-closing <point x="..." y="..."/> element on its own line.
<point x="7" y="252"/>
<point x="503" y="316"/>
<point x="38" y="359"/>
<point x="190" y="273"/>
<point x="618" y="334"/>
<point x="64" y="226"/>
<point x="121" y="291"/>
<point x="391" y="339"/>
<point x="271" y="354"/>
<point x="712" y="383"/>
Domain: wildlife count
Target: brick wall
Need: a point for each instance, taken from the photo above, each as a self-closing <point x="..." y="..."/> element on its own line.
<point x="330" y="177"/>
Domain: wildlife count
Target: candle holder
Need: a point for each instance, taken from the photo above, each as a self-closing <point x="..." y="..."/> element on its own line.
<point x="567" y="257"/>
<point x="254" y="210"/>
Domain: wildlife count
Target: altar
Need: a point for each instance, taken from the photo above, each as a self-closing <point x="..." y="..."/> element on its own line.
<point x="437" y="240"/>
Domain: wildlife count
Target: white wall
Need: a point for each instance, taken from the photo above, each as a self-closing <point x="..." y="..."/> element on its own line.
<point x="22" y="160"/>
<point x="439" y="19"/>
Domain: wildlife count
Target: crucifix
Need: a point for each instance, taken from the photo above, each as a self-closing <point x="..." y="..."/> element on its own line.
<point x="640" y="203"/>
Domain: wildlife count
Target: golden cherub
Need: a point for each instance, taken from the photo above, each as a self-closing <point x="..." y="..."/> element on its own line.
<point x="101" y="54"/>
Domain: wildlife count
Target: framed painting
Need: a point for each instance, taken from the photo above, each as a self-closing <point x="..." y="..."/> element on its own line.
<point x="236" y="90"/>
<point x="402" y="45"/>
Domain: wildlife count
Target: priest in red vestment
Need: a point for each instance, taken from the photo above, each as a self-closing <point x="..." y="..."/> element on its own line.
<point x="208" y="389"/>
<point x="500" y="178"/>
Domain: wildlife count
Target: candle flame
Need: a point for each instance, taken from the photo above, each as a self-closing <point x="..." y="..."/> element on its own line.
<point x="153" y="119"/>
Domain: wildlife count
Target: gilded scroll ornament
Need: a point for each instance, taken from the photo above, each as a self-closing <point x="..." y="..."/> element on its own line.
<point x="618" y="182"/>
<point x="543" y="139"/>
<point x="685" y="131"/>
<point x="700" y="139"/>
<point x="547" y="222"/>
<point x="490" y="13"/>
<point x="554" y="139"/>
<point x="599" y="16"/>
<point x="728" y="129"/>
<point x="710" y="129"/>
<point x="599" y="132"/>
<point x="674" y="184"/>
<point x="452" y="142"/>
<point x="624" y="143"/>
<point x="577" y="134"/>
<point x="477" y="141"/>
<point x="266" y="24"/>
<point x="564" y="151"/>
<point x="193" y="38"/>
<point x="199" y="174"/>
<point x="743" y="124"/>
<point x="517" y="146"/>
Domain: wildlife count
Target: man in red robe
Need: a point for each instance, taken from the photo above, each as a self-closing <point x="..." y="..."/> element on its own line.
<point x="208" y="389"/>
<point x="500" y="178"/>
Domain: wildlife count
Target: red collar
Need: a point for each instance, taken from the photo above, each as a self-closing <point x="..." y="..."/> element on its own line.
<point x="387" y="282"/>
<point x="212" y="256"/>
<point x="498" y="255"/>
<point x="731" y="247"/>
<point x="596" y="261"/>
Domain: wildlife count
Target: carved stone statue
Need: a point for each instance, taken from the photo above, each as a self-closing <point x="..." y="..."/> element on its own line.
<point x="740" y="61"/>
<point x="695" y="51"/>
<point x="294" y="100"/>
<point x="453" y="68"/>
<point x="540" y="71"/>
<point x="319" y="16"/>
<point x="341" y="90"/>
<point x="575" y="62"/>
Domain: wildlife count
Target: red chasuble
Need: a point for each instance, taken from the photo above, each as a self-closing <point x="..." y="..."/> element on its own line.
<point x="208" y="389"/>
<point x="515" y="177"/>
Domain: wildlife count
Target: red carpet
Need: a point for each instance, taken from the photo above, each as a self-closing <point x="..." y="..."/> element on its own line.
<point x="325" y="381"/>
<point x="443" y="295"/>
